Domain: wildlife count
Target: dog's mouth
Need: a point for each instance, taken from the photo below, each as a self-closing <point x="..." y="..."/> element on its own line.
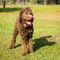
<point x="29" y="23"/>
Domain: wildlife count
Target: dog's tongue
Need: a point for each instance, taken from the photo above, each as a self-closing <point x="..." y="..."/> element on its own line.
<point x="29" y="23"/>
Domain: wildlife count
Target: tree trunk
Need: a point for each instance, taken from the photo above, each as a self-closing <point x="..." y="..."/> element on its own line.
<point x="4" y="3"/>
<point x="14" y="2"/>
<point x="56" y="1"/>
<point x="35" y="1"/>
<point x="45" y="2"/>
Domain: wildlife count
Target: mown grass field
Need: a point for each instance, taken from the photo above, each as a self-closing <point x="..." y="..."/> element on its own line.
<point x="46" y="37"/>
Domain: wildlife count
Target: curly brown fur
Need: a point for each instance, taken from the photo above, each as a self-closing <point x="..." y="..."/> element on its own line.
<point x="24" y="26"/>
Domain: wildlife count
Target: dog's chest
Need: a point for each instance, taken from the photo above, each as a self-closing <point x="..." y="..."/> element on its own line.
<point x="28" y="30"/>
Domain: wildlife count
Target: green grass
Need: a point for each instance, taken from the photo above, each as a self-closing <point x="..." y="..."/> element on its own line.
<point x="46" y="23"/>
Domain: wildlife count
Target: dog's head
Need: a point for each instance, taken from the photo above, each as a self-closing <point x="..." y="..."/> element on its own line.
<point x="26" y="17"/>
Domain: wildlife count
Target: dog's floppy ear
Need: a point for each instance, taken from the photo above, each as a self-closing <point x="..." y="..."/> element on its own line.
<point x="21" y="15"/>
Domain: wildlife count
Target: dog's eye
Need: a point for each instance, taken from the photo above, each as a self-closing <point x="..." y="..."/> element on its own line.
<point x="30" y="13"/>
<point x="24" y="20"/>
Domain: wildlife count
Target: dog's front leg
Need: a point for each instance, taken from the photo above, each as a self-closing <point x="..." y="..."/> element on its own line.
<point x="24" y="47"/>
<point x="30" y="45"/>
<point x="15" y="32"/>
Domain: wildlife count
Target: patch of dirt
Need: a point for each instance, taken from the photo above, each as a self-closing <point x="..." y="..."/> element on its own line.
<point x="48" y="16"/>
<point x="58" y="11"/>
<point x="54" y="38"/>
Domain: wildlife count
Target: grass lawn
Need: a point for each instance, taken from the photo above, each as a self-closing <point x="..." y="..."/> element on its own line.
<point x="46" y="37"/>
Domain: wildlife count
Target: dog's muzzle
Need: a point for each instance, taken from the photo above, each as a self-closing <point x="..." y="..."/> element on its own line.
<point x="27" y="24"/>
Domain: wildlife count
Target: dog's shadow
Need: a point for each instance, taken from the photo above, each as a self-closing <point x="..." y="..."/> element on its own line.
<point x="17" y="45"/>
<point x="41" y="42"/>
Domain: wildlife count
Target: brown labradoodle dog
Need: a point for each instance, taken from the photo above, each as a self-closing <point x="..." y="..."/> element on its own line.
<point x="24" y="26"/>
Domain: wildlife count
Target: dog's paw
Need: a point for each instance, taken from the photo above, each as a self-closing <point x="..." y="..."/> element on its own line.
<point x="11" y="47"/>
